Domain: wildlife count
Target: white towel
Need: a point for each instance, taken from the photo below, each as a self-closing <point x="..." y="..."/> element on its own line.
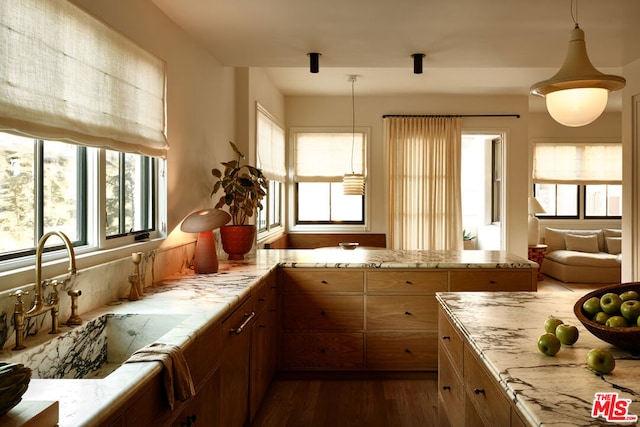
<point x="176" y="375"/>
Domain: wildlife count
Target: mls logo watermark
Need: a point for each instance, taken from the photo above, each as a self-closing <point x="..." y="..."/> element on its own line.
<point x="611" y="408"/>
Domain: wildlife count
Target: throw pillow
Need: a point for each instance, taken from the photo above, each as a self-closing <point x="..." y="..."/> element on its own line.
<point x="588" y="243"/>
<point x="554" y="239"/>
<point x="614" y="245"/>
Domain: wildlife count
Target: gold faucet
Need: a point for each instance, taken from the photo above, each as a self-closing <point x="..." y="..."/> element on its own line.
<point x="39" y="305"/>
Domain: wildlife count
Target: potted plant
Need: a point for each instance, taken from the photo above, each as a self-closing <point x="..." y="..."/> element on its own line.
<point x="244" y="187"/>
<point x="468" y="239"/>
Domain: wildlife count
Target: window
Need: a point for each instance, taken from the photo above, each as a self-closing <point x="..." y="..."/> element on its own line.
<point x="65" y="129"/>
<point x="321" y="158"/>
<point x="558" y="200"/>
<point x="271" y="154"/>
<point x="598" y="201"/>
<point x="578" y="180"/>
<point x="51" y="185"/>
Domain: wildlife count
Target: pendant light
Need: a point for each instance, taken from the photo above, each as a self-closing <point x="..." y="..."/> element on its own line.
<point x="353" y="183"/>
<point x="577" y="94"/>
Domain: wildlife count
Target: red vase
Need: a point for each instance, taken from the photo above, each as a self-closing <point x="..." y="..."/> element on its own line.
<point x="237" y="240"/>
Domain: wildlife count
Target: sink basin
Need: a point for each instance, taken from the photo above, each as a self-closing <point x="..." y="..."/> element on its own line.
<point x="96" y="348"/>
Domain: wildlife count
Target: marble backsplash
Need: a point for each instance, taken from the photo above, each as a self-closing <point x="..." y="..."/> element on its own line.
<point x="100" y="285"/>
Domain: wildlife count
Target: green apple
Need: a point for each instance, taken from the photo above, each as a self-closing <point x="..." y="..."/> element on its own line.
<point x="610" y="303"/>
<point x="629" y="295"/>
<point x="567" y="334"/>
<point x="592" y="306"/>
<point x="600" y="361"/>
<point x="601" y="317"/>
<point x="551" y="324"/>
<point x="548" y="344"/>
<point x="617" y="322"/>
<point x="630" y="310"/>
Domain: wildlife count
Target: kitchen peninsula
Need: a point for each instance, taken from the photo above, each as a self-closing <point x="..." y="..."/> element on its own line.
<point x="210" y="300"/>
<point x="493" y="373"/>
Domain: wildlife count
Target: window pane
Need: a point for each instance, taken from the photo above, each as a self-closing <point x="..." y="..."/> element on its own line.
<point x="60" y="189"/>
<point x="614" y="200"/>
<point x="275" y="197"/>
<point x="344" y="208"/>
<point x="113" y="192"/>
<point x="557" y="199"/>
<point x="595" y="200"/>
<point x="17" y="198"/>
<point x="567" y="200"/>
<point x="314" y="201"/>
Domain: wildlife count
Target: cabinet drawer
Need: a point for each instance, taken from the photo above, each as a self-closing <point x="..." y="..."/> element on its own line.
<point x="450" y="340"/>
<point x="323" y="313"/>
<point x="487" y="399"/>
<point x="450" y="391"/>
<point x="407" y="281"/>
<point x="401" y="350"/>
<point x="323" y="350"/>
<point x="392" y="312"/>
<point x="492" y="280"/>
<point x="322" y="280"/>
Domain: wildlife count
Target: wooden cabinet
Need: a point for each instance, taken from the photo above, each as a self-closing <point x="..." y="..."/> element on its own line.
<point x="235" y="365"/>
<point x="322" y="319"/>
<point x="378" y="319"/>
<point x="263" y="343"/>
<point x="468" y="395"/>
<point x="493" y="279"/>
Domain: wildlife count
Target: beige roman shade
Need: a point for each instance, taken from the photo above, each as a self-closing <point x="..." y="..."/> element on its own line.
<point x="66" y="76"/>
<point x="577" y="163"/>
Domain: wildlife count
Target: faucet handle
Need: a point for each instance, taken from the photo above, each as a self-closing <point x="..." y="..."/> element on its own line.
<point x="18" y="294"/>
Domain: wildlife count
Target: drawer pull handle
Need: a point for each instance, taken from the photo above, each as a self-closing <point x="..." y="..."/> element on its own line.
<point x="408" y="282"/>
<point x="446" y="337"/>
<point x="324" y="282"/>
<point x="446" y="387"/>
<point x="493" y="282"/>
<point x="408" y="313"/>
<point x="262" y="326"/>
<point x="322" y="350"/>
<point x="406" y="350"/>
<point x="478" y="390"/>
<point x="240" y="328"/>
<point x="262" y="299"/>
<point x="323" y="313"/>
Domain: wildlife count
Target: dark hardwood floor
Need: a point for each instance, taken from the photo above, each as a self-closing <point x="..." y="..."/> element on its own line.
<point x="350" y="400"/>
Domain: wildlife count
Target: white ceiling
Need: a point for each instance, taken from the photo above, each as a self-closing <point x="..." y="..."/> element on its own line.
<point x="471" y="46"/>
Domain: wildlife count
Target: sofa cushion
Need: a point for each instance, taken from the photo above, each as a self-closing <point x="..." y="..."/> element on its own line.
<point x="554" y="238"/>
<point x="575" y="258"/>
<point x="614" y="245"/>
<point x="588" y="243"/>
<point x="612" y="232"/>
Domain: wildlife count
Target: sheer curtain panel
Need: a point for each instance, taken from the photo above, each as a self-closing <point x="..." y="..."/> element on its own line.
<point x="66" y="76"/>
<point x="425" y="207"/>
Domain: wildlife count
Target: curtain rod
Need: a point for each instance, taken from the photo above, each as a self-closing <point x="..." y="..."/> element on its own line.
<point x="451" y="115"/>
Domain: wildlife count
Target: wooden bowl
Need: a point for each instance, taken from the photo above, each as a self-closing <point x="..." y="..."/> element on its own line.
<point x="349" y="245"/>
<point x="626" y="338"/>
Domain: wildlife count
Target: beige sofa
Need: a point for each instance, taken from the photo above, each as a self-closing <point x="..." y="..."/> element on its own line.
<point x="583" y="256"/>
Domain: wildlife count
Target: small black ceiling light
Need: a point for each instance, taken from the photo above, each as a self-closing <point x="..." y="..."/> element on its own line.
<point x="314" y="62"/>
<point x="417" y="62"/>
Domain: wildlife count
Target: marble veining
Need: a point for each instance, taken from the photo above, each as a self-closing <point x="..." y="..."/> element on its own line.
<point x="504" y="327"/>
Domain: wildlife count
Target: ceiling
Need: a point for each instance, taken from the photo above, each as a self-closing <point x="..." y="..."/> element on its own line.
<point x="495" y="47"/>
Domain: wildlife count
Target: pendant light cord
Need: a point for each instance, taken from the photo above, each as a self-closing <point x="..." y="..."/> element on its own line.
<point x="574" y="16"/>
<point x="353" y="120"/>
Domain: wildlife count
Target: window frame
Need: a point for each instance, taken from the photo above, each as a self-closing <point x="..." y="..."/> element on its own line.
<point x="581" y="208"/>
<point x="292" y="196"/>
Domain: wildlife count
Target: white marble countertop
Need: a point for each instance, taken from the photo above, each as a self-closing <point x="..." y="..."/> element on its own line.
<point x="504" y="327"/>
<point x="209" y="298"/>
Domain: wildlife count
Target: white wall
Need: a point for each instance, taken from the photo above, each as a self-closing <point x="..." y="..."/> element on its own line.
<point x="336" y="111"/>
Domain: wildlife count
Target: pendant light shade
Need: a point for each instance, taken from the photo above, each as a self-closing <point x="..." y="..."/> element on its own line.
<point x="353" y="183"/>
<point x="577" y="94"/>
